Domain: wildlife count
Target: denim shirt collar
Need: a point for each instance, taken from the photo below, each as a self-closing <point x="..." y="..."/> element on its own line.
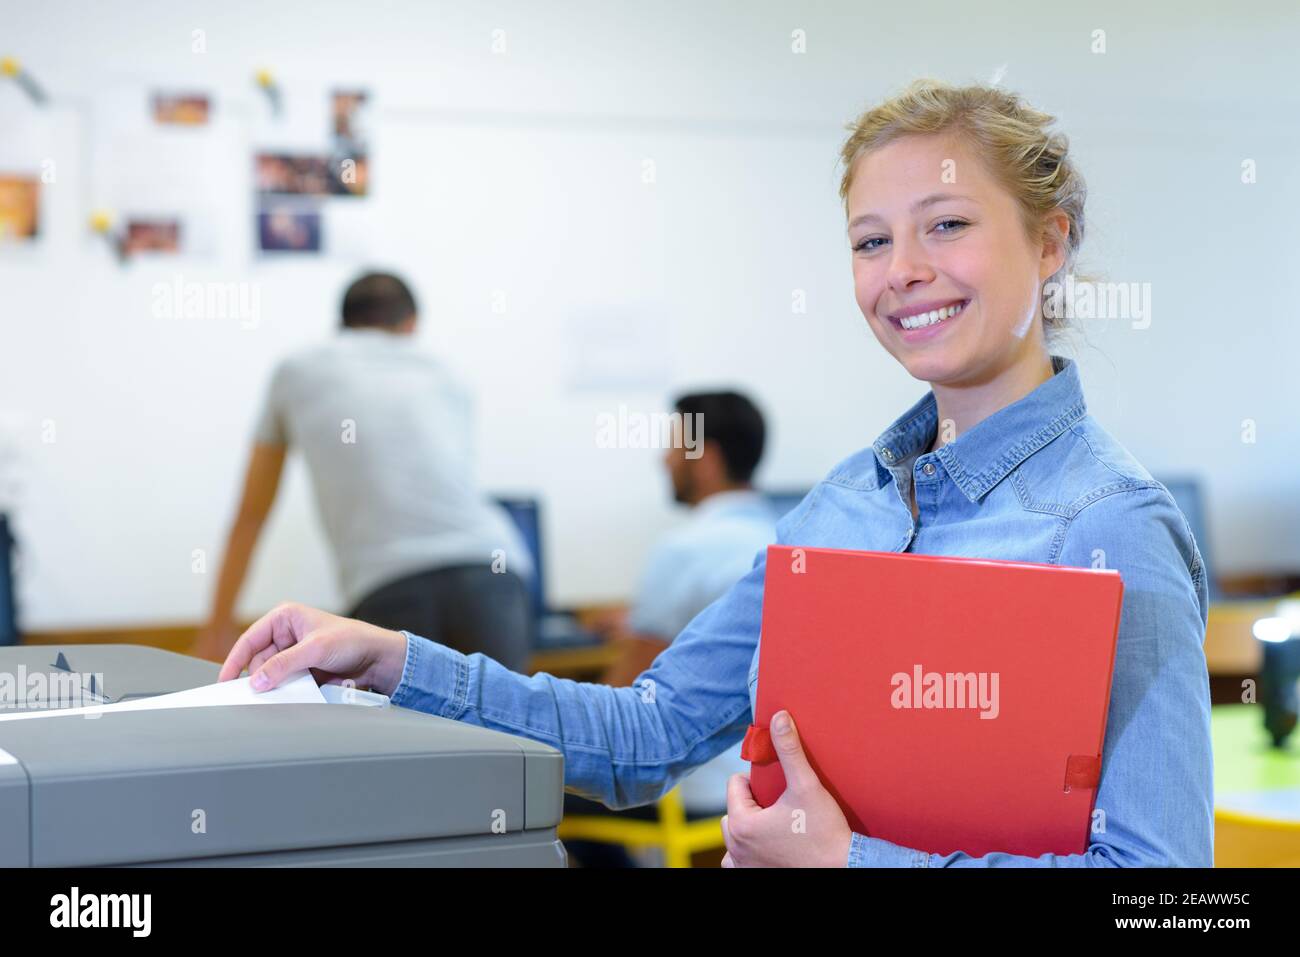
<point x="982" y="457"/>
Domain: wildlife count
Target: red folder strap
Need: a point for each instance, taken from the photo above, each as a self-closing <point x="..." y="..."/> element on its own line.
<point x="757" y="747"/>
<point x="1082" y="771"/>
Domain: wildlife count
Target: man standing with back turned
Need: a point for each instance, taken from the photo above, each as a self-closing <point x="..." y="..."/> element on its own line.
<point x="386" y="435"/>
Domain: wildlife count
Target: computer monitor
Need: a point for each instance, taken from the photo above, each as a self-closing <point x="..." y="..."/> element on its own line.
<point x="526" y="514"/>
<point x="8" y="617"/>
<point x="553" y="629"/>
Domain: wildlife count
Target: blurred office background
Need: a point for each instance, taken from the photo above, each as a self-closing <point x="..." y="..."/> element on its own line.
<point x="598" y="206"/>
<point x="510" y="187"/>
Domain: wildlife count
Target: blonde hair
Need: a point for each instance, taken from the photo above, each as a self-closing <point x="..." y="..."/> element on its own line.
<point x="1030" y="161"/>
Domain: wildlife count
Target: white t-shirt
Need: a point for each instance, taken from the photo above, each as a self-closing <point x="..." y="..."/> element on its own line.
<point x="386" y="434"/>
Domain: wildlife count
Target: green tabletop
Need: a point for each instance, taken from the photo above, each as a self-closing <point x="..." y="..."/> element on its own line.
<point x="1250" y="776"/>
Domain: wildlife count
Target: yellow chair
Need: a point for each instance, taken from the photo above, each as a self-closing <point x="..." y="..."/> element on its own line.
<point x="1246" y="840"/>
<point x="676" y="836"/>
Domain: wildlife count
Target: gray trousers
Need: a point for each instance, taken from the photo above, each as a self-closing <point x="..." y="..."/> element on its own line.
<point x="466" y="607"/>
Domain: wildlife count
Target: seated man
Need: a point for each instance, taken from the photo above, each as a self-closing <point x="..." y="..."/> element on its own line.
<point x="688" y="570"/>
<point x="385" y="432"/>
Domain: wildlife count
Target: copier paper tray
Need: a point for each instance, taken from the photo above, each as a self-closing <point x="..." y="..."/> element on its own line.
<point x="282" y="784"/>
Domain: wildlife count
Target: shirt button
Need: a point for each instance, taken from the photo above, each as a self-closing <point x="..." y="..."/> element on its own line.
<point x="928" y="469"/>
<point x="888" y="455"/>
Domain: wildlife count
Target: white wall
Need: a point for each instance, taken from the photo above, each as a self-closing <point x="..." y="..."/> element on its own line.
<point x="523" y="172"/>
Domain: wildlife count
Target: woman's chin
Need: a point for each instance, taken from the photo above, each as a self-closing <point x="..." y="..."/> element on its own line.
<point x="931" y="365"/>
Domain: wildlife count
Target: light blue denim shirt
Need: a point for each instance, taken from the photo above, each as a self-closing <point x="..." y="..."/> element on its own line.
<point x="1037" y="481"/>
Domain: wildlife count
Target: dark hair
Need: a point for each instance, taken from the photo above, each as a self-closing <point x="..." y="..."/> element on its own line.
<point x="377" y="299"/>
<point x="734" y="422"/>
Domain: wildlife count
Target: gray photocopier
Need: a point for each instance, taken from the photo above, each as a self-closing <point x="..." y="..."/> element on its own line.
<point x="335" y="784"/>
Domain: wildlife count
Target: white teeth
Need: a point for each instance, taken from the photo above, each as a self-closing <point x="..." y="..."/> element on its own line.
<point x="931" y="317"/>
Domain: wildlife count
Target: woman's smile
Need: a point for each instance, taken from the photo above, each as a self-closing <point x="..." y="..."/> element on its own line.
<point x="915" y="326"/>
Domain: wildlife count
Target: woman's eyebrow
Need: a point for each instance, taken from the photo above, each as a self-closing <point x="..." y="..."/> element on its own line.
<point x="918" y="205"/>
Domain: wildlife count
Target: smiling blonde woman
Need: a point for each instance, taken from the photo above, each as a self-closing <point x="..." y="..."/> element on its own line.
<point x="961" y="205"/>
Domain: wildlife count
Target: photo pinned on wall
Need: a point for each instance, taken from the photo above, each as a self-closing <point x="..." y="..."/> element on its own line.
<point x="288" y="229"/>
<point x="305" y="174"/>
<point x="181" y="109"/>
<point x="286" y="174"/>
<point x="19" y="208"/>
<point x="351" y="116"/>
<point x="151" y="236"/>
<point x="351" y="174"/>
<point x="350" y="113"/>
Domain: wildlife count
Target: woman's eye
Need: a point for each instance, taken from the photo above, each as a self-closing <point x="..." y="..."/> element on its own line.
<point x="865" y="245"/>
<point x="872" y="243"/>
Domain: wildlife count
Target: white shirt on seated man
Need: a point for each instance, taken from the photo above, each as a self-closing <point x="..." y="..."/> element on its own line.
<point x="695" y="564"/>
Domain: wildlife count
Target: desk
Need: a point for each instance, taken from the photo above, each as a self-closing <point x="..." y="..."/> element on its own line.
<point x="1230" y="648"/>
<point x="581" y="664"/>
<point x="1256" y="792"/>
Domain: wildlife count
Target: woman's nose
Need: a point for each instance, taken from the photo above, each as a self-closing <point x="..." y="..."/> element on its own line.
<point x="908" y="264"/>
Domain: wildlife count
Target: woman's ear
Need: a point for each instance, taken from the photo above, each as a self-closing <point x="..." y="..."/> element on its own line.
<point x="1056" y="233"/>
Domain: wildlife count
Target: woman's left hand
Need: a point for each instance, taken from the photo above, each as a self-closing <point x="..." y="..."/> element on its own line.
<point x="804" y="828"/>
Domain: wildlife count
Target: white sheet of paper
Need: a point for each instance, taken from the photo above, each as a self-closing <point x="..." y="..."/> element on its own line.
<point x="298" y="689"/>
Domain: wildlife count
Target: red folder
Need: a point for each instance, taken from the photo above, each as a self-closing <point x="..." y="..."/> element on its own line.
<point x="949" y="704"/>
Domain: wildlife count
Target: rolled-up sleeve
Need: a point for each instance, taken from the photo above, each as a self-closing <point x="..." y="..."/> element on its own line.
<point x="1155" y="801"/>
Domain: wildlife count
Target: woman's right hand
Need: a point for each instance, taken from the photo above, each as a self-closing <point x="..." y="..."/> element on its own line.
<point x="293" y="638"/>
